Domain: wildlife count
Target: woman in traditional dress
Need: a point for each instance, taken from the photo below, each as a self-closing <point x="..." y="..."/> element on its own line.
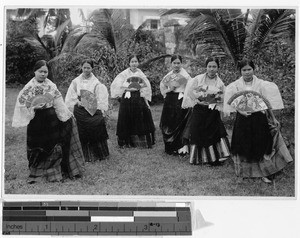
<point x="257" y="146"/>
<point x="87" y="98"/>
<point x="135" y="127"/>
<point x="174" y="117"/>
<point x="53" y="146"/>
<point x="205" y="130"/>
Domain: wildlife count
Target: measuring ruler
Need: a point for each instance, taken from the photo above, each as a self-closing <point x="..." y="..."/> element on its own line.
<point x="96" y="218"/>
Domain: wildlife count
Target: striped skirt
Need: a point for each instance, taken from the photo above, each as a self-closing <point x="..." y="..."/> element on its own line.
<point x="92" y="133"/>
<point x="135" y="127"/>
<point x="213" y="154"/>
<point x="207" y="136"/>
<point x="53" y="147"/>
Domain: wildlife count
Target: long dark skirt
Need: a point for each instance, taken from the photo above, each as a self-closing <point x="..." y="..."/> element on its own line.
<point x="257" y="146"/>
<point x="135" y="127"/>
<point x="172" y="123"/>
<point x="207" y="136"/>
<point x="251" y="136"/>
<point x="53" y="147"/>
<point x="92" y="133"/>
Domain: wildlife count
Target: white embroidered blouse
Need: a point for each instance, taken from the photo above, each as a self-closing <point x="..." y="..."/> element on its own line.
<point x="268" y="89"/>
<point x="189" y="99"/>
<point x="91" y="84"/>
<point x="23" y="115"/>
<point x="118" y="86"/>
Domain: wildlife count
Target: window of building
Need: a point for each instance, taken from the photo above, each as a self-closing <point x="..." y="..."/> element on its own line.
<point x="154" y="24"/>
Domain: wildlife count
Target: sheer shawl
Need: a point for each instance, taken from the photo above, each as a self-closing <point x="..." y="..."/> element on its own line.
<point x="23" y="115"/>
<point x="266" y="88"/>
<point x="93" y="85"/>
<point x="164" y="88"/>
<point x="118" y="86"/>
<point x="189" y="99"/>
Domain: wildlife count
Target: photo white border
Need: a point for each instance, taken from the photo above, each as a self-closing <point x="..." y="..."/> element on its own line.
<point x="231" y="216"/>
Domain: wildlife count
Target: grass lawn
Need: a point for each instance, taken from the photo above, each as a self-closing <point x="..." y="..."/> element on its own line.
<point x="137" y="171"/>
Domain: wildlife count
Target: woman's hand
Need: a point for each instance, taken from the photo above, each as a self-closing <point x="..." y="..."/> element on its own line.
<point x="202" y="103"/>
<point x="245" y="114"/>
<point x="171" y="88"/>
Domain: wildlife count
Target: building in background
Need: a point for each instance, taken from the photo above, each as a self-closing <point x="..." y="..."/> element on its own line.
<point x="165" y="28"/>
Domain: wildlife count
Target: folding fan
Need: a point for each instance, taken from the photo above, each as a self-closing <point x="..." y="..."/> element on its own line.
<point x="88" y="101"/>
<point x="136" y="82"/>
<point x="40" y="100"/>
<point x="174" y="80"/>
<point x="208" y="94"/>
<point x="249" y="101"/>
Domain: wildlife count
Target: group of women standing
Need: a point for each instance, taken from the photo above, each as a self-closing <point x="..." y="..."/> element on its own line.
<point x="61" y="136"/>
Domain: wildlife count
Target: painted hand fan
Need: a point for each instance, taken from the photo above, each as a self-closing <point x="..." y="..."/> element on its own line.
<point x="249" y="101"/>
<point x="208" y="94"/>
<point x="41" y="100"/>
<point x="174" y="80"/>
<point x="88" y="101"/>
<point x="136" y="82"/>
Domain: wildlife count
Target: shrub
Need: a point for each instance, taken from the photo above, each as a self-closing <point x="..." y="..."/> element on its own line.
<point x="20" y="55"/>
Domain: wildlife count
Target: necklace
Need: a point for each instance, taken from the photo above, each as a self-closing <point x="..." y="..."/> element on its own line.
<point x="133" y="70"/>
<point x="248" y="85"/>
<point x="86" y="78"/>
<point x="211" y="81"/>
<point x="211" y="77"/>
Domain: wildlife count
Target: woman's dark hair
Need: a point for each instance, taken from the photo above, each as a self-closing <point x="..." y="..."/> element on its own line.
<point x="245" y="62"/>
<point x="133" y="56"/>
<point x="88" y="61"/>
<point x="212" y="59"/>
<point x="40" y="64"/>
<point x="175" y="57"/>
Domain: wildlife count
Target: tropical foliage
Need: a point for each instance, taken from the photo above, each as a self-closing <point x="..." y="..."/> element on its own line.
<point x="230" y="32"/>
<point x="25" y="43"/>
<point x="106" y="37"/>
<point x="265" y="35"/>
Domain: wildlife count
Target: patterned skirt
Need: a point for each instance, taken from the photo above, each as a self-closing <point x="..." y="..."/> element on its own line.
<point x="276" y="155"/>
<point x="172" y="123"/>
<point x="135" y="127"/>
<point x="53" y="147"/>
<point x="92" y="133"/>
<point x="207" y="136"/>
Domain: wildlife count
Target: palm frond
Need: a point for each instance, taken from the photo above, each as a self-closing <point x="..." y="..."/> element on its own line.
<point x="36" y="41"/>
<point x="118" y="23"/>
<point x="59" y="31"/>
<point x="191" y="13"/>
<point x="212" y="29"/>
<point x="102" y="20"/>
<point x="269" y="23"/>
<point x="146" y="63"/>
<point x="82" y="15"/>
<point x="73" y="39"/>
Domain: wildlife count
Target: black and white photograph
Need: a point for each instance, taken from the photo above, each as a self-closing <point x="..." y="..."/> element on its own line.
<point x="195" y="102"/>
<point x="168" y="102"/>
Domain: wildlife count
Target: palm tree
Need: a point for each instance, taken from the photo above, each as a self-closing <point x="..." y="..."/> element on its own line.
<point x="234" y="33"/>
<point x="57" y="21"/>
<point x="111" y="27"/>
